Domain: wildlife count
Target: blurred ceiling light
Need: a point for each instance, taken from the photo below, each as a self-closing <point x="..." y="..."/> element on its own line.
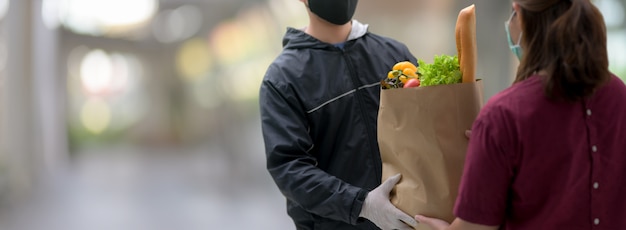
<point x="97" y="17"/>
<point x="124" y="12"/>
<point x="105" y="89"/>
<point x="4" y="7"/>
<point x="96" y="71"/>
<point x="178" y="24"/>
<point x="103" y="73"/>
<point x="613" y="12"/>
<point x="193" y="59"/>
<point x="95" y="115"/>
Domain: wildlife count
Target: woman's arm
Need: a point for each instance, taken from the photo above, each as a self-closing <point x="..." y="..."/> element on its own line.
<point x="458" y="224"/>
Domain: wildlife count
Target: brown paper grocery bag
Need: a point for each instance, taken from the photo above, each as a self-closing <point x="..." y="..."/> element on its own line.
<point x="421" y="133"/>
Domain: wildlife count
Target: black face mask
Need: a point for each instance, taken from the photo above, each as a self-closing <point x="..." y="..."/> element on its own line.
<point x="338" y="12"/>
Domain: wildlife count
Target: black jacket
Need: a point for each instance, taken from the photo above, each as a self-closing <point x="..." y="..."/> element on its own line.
<point x="319" y="106"/>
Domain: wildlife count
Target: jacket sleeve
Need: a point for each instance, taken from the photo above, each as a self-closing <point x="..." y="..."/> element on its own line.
<point x="293" y="168"/>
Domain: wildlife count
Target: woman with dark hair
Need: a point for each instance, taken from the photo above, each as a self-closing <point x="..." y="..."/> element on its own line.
<point x="549" y="152"/>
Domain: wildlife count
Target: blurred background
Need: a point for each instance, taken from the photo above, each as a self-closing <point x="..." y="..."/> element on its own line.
<point x="143" y="114"/>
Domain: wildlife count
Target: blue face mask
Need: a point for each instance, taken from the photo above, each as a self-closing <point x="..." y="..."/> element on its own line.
<point x="515" y="48"/>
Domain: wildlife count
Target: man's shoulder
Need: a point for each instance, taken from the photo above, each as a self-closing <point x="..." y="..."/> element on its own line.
<point x="377" y="43"/>
<point x="285" y="64"/>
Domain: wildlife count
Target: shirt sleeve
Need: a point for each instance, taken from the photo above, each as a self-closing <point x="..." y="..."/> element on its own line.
<point x="488" y="170"/>
<point x="293" y="168"/>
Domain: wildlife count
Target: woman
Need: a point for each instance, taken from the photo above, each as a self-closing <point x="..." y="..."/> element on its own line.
<point x="549" y="152"/>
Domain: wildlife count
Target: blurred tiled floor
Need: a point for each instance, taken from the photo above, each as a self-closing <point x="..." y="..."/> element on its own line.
<point x="126" y="188"/>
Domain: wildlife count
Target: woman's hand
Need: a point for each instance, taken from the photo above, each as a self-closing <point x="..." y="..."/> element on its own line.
<point x="433" y="223"/>
<point x="437" y="224"/>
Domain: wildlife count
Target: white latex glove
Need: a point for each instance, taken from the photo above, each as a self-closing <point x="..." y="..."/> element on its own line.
<point x="378" y="208"/>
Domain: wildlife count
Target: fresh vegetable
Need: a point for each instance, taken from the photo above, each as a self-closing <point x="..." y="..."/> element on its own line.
<point x="400" y="74"/>
<point x="409" y="72"/>
<point x="444" y="70"/>
<point x="466" y="42"/>
<point x="413" y="82"/>
<point x="405" y="65"/>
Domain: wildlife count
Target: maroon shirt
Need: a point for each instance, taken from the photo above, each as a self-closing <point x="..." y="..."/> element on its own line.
<point x="534" y="163"/>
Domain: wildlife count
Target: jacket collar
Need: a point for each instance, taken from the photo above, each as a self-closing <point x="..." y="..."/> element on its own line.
<point x="297" y="38"/>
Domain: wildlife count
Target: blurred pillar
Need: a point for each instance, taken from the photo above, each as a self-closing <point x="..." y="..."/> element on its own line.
<point x="32" y="121"/>
<point x="49" y="92"/>
<point x="18" y="123"/>
<point x="3" y="158"/>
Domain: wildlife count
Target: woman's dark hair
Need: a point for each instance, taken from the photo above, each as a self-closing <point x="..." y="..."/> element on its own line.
<point x="567" y="39"/>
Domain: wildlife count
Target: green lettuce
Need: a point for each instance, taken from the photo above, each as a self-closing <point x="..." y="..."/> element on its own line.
<point x="444" y="70"/>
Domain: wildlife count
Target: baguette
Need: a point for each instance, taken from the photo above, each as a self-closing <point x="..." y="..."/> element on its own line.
<point x="466" y="43"/>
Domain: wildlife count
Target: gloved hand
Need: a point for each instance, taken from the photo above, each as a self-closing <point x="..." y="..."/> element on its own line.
<point x="378" y="208"/>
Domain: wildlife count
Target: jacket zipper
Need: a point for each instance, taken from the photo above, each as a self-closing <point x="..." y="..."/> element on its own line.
<point x="360" y="103"/>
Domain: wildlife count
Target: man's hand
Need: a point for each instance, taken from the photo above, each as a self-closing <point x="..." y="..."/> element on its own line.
<point x="378" y="209"/>
<point x="435" y="224"/>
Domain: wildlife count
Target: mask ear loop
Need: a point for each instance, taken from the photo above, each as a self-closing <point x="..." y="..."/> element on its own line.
<point x="508" y="26"/>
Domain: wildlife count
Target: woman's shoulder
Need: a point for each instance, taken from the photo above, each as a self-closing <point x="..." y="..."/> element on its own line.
<point x="515" y="101"/>
<point x="616" y="84"/>
<point x="529" y="89"/>
<point x="613" y="92"/>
